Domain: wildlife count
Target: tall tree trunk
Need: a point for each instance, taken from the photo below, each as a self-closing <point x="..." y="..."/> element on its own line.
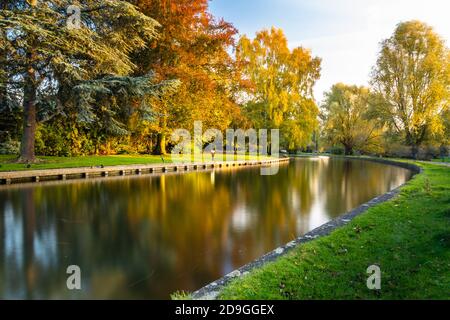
<point x="414" y="141"/>
<point x="27" y="153"/>
<point x="161" y="140"/>
<point x="161" y="144"/>
<point x="316" y="141"/>
<point x="414" y="151"/>
<point x="348" y="150"/>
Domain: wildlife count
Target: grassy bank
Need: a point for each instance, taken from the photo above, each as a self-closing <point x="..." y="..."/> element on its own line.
<point x="408" y="237"/>
<point x="7" y="161"/>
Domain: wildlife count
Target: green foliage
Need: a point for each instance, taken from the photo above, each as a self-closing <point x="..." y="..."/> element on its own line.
<point x="337" y="150"/>
<point x="111" y="101"/>
<point x="181" y="295"/>
<point x="52" y="140"/>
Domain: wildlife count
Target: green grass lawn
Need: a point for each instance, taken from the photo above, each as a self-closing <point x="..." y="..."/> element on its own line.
<point x="408" y="237"/>
<point x="7" y="161"/>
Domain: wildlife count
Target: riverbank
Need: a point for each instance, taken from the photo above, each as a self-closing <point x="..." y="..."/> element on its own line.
<point x="118" y="166"/>
<point x="408" y="237"/>
<point x="7" y="162"/>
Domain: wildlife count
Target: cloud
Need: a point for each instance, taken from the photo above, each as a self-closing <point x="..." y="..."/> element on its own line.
<point x="345" y="58"/>
<point x="349" y="56"/>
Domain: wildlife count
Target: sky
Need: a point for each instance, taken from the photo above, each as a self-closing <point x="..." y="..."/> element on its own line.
<point x="344" y="33"/>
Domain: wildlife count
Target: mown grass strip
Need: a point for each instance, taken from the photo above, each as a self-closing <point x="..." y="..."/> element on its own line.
<point x="7" y="162"/>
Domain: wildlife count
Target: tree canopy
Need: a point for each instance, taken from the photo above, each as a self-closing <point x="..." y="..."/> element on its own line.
<point x="51" y="67"/>
<point x="347" y="121"/>
<point x="281" y="95"/>
<point x="193" y="47"/>
<point x="412" y="79"/>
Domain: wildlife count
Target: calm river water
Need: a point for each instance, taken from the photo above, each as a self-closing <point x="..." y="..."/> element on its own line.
<point x="146" y="237"/>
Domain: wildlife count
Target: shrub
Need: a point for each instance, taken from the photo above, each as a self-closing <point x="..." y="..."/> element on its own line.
<point x="51" y="141"/>
<point x="10" y="147"/>
<point x="337" y="150"/>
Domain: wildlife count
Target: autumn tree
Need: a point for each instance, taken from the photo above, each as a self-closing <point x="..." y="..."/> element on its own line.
<point x="50" y="66"/>
<point x="193" y="47"/>
<point x="283" y="80"/>
<point x="347" y="121"/>
<point x="412" y="78"/>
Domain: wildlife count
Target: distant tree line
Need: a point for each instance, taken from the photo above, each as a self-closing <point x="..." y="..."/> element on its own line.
<point x="134" y="71"/>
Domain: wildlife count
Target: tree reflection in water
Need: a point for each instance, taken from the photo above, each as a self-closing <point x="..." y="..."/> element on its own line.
<point x="146" y="237"/>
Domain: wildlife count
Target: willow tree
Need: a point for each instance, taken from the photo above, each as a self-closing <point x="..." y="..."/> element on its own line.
<point x="412" y="78"/>
<point x="283" y="81"/>
<point x="347" y="120"/>
<point x="45" y="57"/>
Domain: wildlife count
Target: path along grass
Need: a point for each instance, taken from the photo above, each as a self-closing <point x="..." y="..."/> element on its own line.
<point x="408" y="237"/>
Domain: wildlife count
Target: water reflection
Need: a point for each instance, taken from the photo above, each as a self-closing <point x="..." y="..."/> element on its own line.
<point x="146" y="237"/>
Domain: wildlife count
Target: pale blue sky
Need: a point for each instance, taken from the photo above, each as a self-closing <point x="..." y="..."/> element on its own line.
<point x="344" y="33"/>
